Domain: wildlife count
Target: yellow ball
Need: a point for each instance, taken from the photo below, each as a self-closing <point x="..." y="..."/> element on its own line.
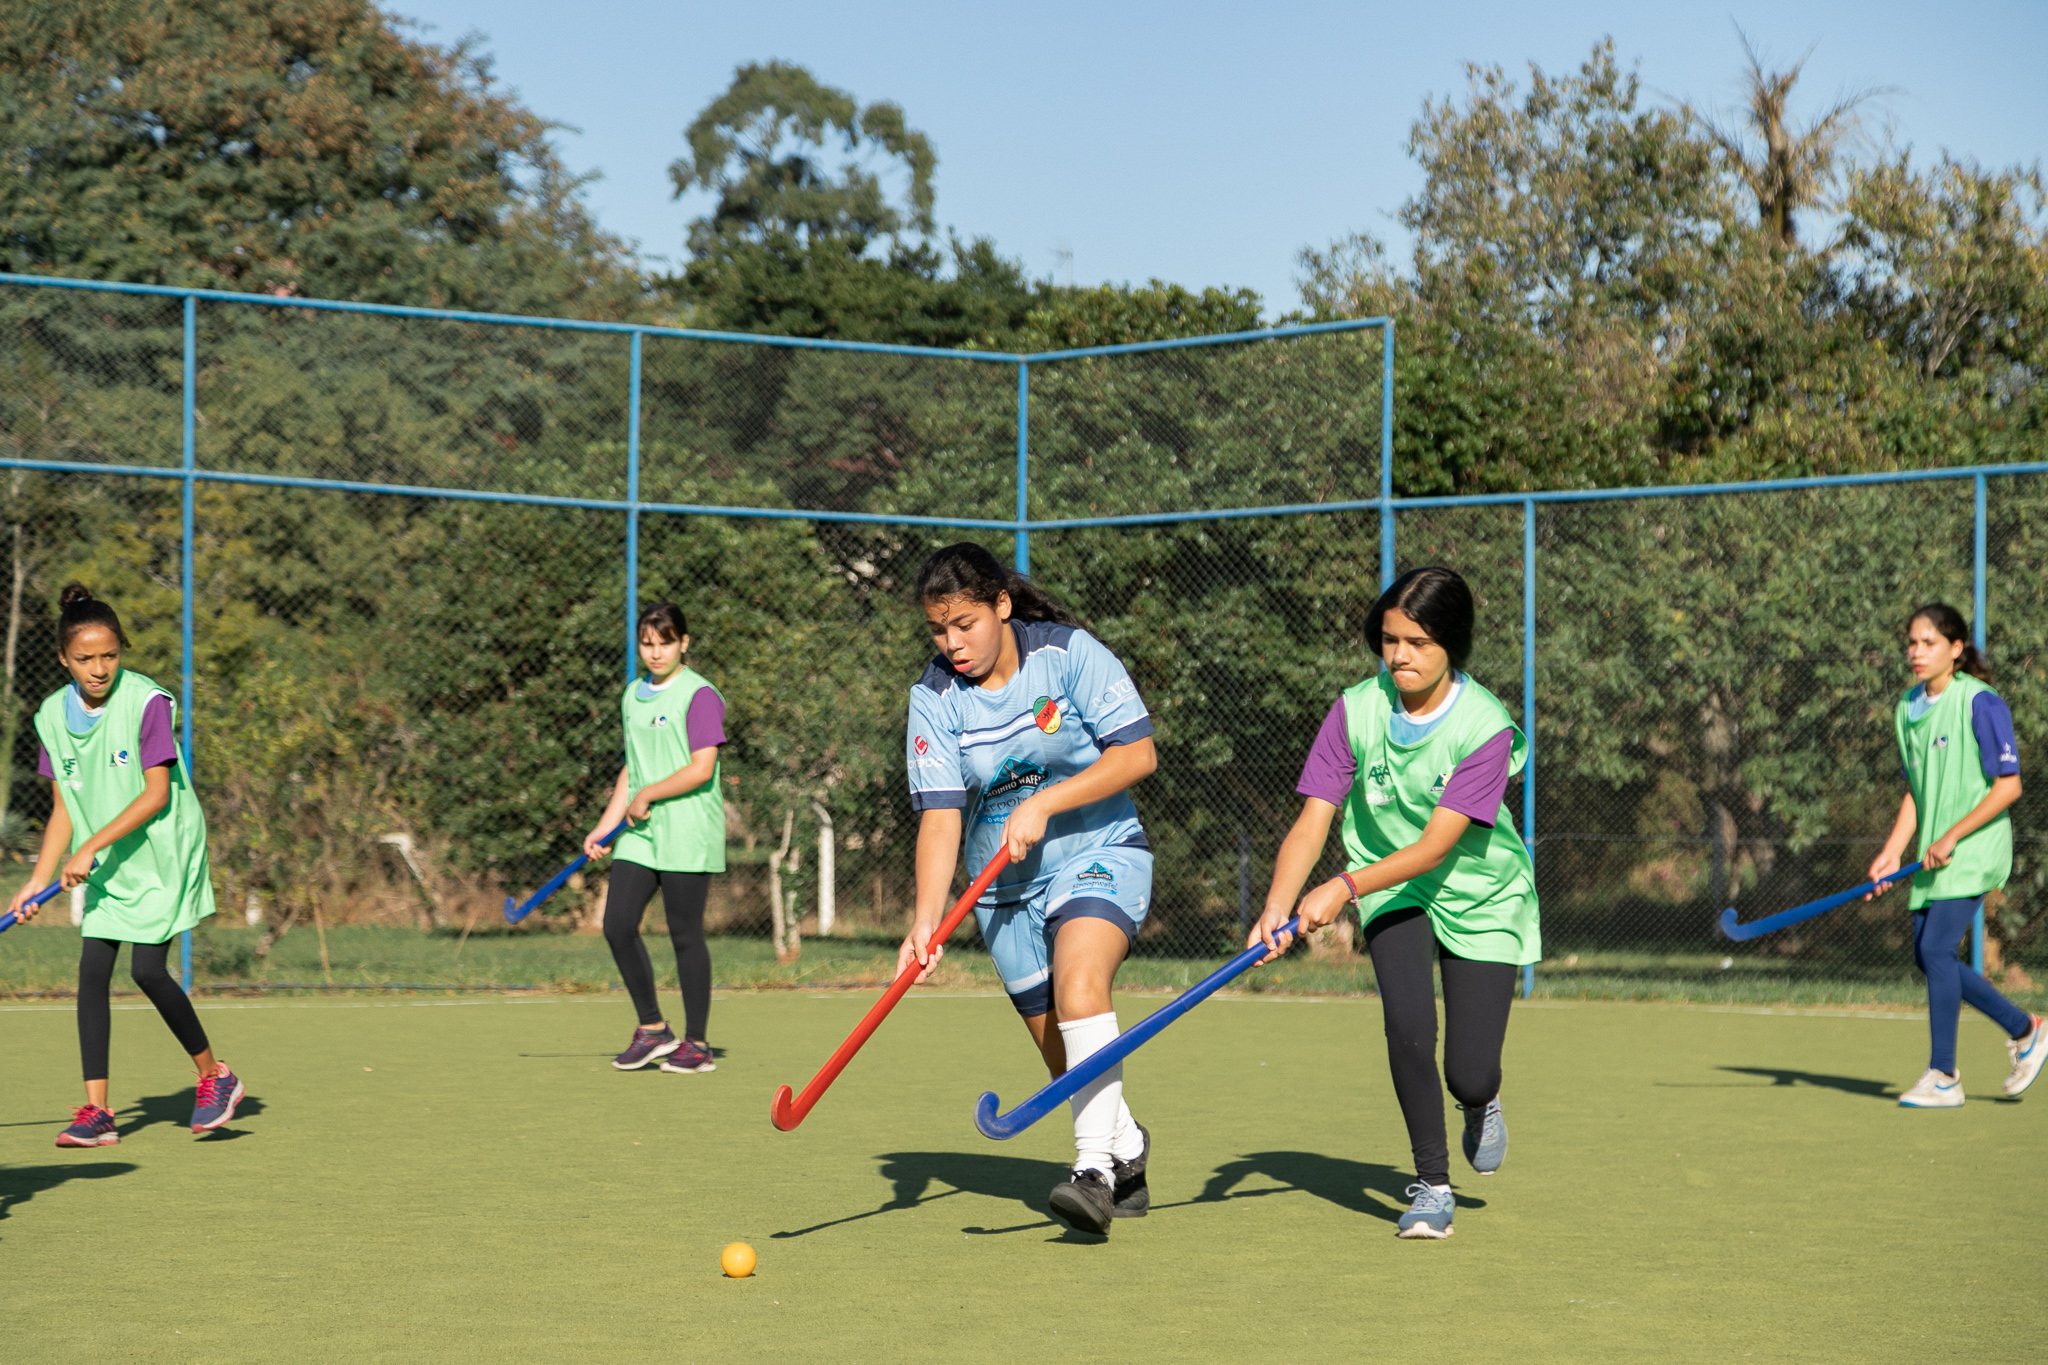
<point x="737" y="1261"/>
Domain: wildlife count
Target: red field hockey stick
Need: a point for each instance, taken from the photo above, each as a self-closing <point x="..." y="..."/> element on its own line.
<point x="786" y="1113"/>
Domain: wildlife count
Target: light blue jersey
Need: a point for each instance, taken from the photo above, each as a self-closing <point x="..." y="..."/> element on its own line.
<point x="984" y="752"/>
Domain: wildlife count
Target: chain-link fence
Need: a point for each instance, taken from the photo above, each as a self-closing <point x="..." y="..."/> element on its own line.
<point x="409" y="544"/>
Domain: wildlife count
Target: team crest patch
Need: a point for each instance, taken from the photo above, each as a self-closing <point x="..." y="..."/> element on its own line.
<point x="1045" y="714"/>
<point x="1377" y="794"/>
<point x="120" y="758"/>
<point x="1941" y="741"/>
<point x="659" y="721"/>
<point x="70" y="766"/>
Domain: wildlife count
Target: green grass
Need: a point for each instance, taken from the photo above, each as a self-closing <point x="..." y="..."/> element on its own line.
<point x="470" y="1180"/>
<point x="42" y="957"/>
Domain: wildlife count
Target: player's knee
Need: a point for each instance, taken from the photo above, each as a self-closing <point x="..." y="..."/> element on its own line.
<point x="1471" y="1086"/>
<point x="148" y="976"/>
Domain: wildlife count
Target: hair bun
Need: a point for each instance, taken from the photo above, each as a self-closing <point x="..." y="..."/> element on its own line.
<point x="74" y="592"/>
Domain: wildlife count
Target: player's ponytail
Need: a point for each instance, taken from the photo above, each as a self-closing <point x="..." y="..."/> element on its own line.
<point x="1950" y="625"/>
<point x="77" y="609"/>
<point x="967" y="570"/>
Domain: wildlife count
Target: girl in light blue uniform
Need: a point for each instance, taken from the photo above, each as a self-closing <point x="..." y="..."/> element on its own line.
<point x="1027" y="732"/>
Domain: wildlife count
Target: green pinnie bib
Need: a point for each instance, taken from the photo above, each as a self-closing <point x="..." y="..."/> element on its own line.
<point x="1946" y="774"/>
<point x="1481" y="900"/>
<point x="683" y="833"/>
<point x="155" y="883"/>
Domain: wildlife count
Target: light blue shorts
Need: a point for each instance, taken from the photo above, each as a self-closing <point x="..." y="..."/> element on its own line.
<point x="1113" y="884"/>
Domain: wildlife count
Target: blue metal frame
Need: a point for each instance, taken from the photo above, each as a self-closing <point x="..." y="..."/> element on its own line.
<point x="1977" y="632"/>
<point x="190" y="476"/>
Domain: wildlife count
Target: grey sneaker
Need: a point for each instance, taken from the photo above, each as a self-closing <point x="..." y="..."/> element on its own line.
<point x="1429" y="1216"/>
<point x="1486" y="1136"/>
<point x="648" y="1045"/>
<point x="2027" y="1055"/>
<point x="1084" y="1203"/>
<point x="1131" y="1198"/>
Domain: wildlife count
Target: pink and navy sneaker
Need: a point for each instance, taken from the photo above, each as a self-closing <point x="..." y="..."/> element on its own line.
<point x="648" y="1045"/>
<point x="219" y="1093"/>
<point x="691" y="1057"/>
<point x="91" y="1126"/>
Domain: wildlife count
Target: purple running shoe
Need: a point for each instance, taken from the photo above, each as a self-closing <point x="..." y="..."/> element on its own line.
<point x="690" y="1058"/>
<point x="648" y="1045"/>
<point x="91" y="1126"/>
<point x="218" y="1095"/>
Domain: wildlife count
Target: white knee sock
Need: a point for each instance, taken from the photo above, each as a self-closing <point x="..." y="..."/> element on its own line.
<point x="1097" y="1106"/>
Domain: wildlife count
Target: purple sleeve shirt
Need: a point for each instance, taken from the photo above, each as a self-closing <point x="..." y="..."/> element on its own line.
<point x="1991" y="723"/>
<point x="1475" y="789"/>
<point x="157" y="745"/>
<point x="704" y="725"/>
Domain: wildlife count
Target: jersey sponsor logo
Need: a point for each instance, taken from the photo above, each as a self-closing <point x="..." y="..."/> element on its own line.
<point x="1436" y="788"/>
<point x="658" y="721"/>
<point x="1941" y="741"/>
<point x="1015" y="780"/>
<point x="1379" y="774"/>
<point x="70" y="767"/>
<point x="1117" y="691"/>
<point x="922" y="745"/>
<point x="1045" y="714"/>
<point x="120" y="758"/>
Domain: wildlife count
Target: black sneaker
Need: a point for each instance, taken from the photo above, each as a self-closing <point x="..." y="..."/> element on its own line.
<point x="1130" y="1197"/>
<point x="1085" y="1202"/>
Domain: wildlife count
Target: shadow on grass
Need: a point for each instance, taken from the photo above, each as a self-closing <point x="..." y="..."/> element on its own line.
<point x="914" y="1173"/>
<point x="1848" y="1085"/>
<point x="19" y="1184"/>
<point x="1341" y="1181"/>
<point x="176" y="1108"/>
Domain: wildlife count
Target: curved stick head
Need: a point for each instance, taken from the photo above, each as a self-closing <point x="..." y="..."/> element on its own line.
<point x="1728" y="923"/>
<point x="780" y="1110"/>
<point x="512" y="915"/>
<point x="986" y="1119"/>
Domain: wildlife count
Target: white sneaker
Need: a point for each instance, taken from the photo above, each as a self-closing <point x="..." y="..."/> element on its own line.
<point x="1936" y="1090"/>
<point x="2027" y="1055"/>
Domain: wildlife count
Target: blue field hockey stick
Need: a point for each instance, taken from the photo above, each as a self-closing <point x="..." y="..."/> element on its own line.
<point x="517" y="912"/>
<point x="7" y="921"/>
<point x="1065" y="1086"/>
<point x="1742" y="933"/>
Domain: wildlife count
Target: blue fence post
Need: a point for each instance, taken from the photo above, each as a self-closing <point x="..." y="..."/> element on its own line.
<point x="1977" y="629"/>
<point x="633" y="511"/>
<point x="1529" y="701"/>
<point x="190" y="404"/>
<point x="1023" y="467"/>
<point x="1386" y="453"/>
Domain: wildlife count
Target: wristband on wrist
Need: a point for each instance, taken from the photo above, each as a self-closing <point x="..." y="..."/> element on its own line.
<point x="1350" y="885"/>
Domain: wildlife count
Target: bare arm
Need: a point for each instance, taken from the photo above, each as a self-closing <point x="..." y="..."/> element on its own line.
<point x="1895" y="844"/>
<point x="2004" y="791"/>
<point x="614" y="811"/>
<point x="938" y="850"/>
<point x="1121" y="767"/>
<point x="1298" y="854"/>
<point x="56" y="838"/>
<point x="687" y="778"/>
<point x="1322" y="905"/>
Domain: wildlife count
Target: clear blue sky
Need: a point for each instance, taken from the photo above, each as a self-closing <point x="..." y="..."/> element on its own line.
<point x="1200" y="142"/>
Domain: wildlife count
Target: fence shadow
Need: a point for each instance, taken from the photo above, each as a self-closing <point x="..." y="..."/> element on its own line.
<point x="19" y="1184"/>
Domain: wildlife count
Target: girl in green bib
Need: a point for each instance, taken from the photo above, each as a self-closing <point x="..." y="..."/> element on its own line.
<point x="125" y="825"/>
<point x="1962" y="770"/>
<point x="674" y="722"/>
<point x="1417" y="759"/>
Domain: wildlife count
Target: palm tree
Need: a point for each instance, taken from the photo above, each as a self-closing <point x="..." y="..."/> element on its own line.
<point x="1793" y="169"/>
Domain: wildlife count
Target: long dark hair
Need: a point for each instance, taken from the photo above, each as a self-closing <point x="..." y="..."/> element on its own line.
<point x="77" y="609"/>
<point x="1436" y="599"/>
<point x="1950" y="625"/>
<point x="665" y="619"/>
<point x="967" y="570"/>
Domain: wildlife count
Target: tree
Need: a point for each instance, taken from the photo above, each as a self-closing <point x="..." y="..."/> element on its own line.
<point x="284" y="146"/>
<point x="1785" y="169"/>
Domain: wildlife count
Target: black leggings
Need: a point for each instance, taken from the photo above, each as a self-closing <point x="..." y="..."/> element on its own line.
<point x="148" y="965"/>
<point x="1476" y="1000"/>
<point x="682" y="900"/>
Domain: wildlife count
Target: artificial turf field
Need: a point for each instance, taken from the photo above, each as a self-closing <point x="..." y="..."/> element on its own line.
<point x="471" y="1180"/>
